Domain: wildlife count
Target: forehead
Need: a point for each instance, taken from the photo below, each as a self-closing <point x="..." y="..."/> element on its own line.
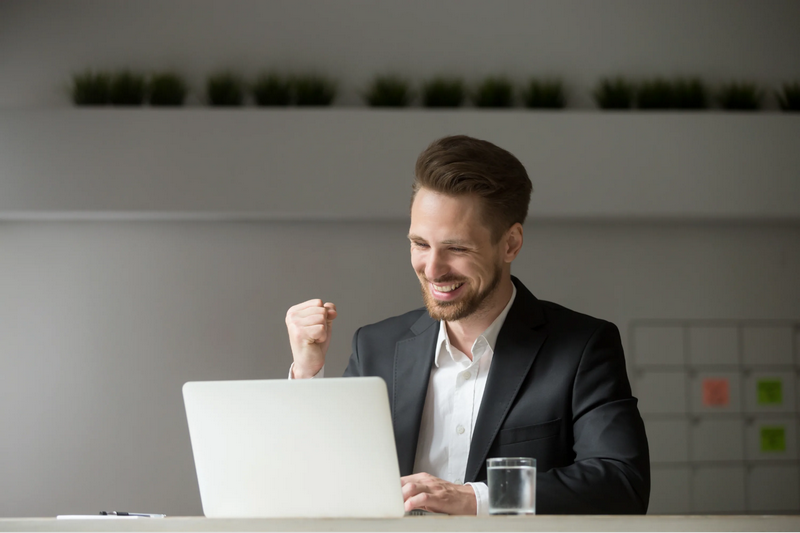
<point x="436" y="217"/>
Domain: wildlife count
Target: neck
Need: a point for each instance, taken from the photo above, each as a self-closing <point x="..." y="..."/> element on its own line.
<point x="462" y="333"/>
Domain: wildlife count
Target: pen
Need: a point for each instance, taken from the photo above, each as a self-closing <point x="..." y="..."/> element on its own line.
<point x="120" y="513"/>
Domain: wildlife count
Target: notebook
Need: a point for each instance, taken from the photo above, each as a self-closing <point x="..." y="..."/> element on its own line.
<point x="294" y="448"/>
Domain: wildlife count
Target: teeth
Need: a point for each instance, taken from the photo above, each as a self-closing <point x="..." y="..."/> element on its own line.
<point x="447" y="288"/>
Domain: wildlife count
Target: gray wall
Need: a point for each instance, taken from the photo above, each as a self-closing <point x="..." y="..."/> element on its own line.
<point x="101" y="322"/>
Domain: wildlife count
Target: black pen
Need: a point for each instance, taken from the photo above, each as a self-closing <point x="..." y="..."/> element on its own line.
<point x="119" y="513"/>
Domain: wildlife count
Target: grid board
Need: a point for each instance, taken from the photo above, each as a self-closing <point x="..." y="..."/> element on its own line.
<point x="721" y="407"/>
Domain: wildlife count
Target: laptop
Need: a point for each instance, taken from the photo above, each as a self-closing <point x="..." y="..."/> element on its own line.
<point x="316" y="448"/>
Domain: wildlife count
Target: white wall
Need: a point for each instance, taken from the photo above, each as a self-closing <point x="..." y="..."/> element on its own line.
<point x="43" y="42"/>
<point x="101" y="322"/>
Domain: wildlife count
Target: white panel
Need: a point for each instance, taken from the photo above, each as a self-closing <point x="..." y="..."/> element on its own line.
<point x="661" y="392"/>
<point x="719" y="489"/>
<point x="358" y="163"/>
<point x="668" y="440"/>
<point x="717" y="440"/>
<point x="763" y="440"/>
<point x="659" y="345"/>
<point x="703" y="380"/>
<point x="770" y="392"/>
<point x="713" y="345"/>
<point x="773" y="489"/>
<point x="669" y="491"/>
<point x="767" y="345"/>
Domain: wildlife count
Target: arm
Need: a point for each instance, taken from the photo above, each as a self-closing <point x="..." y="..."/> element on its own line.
<point x="611" y="471"/>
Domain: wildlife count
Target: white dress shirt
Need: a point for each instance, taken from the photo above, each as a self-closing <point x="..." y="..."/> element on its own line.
<point x="455" y="392"/>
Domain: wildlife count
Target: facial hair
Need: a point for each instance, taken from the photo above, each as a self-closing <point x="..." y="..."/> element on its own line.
<point x="469" y="304"/>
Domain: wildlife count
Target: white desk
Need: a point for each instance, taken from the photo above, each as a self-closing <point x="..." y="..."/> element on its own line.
<point x="435" y="523"/>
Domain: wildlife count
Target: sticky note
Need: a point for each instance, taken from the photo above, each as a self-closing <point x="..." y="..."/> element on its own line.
<point x="770" y="392"/>
<point x="773" y="439"/>
<point x="716" y="392"/>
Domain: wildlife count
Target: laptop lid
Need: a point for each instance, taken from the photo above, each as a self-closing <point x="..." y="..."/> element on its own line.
<point x="294" y="448"/>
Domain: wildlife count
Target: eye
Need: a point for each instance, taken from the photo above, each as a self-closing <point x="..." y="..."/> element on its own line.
<point x="457" y="249"/>
<point x="420" y="244"/>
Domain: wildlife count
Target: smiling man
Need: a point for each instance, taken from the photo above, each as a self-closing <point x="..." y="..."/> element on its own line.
<point x="486" y="369"/>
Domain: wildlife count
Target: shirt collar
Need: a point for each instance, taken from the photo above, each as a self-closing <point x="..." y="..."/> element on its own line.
<point x="489" y="336"/>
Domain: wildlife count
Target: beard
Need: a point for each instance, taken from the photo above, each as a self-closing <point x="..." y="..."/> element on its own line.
<point x="469" y="303"/>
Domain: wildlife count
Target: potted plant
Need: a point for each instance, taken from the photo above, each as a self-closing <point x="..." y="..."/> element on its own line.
<point x="544" y="94"/>
<point x="689" y="93"/>
<point x="657" y="93"/>
<point x="127" y="88"/>
<point x="494" y="91"/>
<point x="614" y="93"/>
<point x="90" y="88"/>
<point x="789" y="97"/>
<point x="272" y="89"/>
<point x="443" y="92"/>
<point x="388" y="91"/>
<point x="167" y="89"/>
<point x="740" y="96"/>
<point x="225" y="89"/>
<point x="314" y="90"/>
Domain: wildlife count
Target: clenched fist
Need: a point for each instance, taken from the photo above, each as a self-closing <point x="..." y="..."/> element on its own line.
<point x="309" y="325"/>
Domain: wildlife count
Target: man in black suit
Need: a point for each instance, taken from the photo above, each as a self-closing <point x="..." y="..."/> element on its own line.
<point x="486" y="369"/>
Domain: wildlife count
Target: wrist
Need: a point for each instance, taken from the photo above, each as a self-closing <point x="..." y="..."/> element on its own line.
<point x="305" y="371"/>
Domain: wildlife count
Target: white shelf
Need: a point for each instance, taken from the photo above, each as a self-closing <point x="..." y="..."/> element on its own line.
<point x="358" y="163"/>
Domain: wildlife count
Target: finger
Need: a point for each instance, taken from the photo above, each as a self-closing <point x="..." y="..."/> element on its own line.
<point x="311" y="320"/>
<point x="315" y="334"/>
<point x="310" y="311"/>
<point x="314" y="302"/>
<point x="331" y="308"/>
<point x="423" y="500"/>
<point x="411" y="489"/>
<point x="416" y="478"/>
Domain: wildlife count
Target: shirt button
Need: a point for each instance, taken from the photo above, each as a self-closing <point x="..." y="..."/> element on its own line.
<point x="460" y="429"/>
<point x="467" y="375"/>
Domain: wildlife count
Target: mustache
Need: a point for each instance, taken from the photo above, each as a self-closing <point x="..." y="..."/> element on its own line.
<point x="445" y="279"/>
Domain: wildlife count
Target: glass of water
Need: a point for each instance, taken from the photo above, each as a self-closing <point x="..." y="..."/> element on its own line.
<point x="512" y="485"/>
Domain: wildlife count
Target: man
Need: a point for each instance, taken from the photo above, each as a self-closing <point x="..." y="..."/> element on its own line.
<point x="486" y="369"/>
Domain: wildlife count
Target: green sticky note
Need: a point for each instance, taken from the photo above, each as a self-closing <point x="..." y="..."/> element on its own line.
<point x="770" y="392"/>
<point x="773" y="439"/>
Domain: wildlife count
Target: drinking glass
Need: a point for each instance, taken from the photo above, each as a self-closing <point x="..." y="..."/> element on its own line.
<point x="512" y="485"/>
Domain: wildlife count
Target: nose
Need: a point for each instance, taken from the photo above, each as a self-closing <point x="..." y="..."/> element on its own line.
<point x="436" y="266"/>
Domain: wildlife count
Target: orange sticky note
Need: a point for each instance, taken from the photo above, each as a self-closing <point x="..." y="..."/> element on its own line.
<point x="716" y="392"/>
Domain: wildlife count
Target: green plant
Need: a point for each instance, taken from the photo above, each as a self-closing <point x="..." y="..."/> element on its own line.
<point x="225" y="89"/>
<point x="127" y="88"/>
<point x="544" y="94"/>
<point x="740" y="96"/>
<point x="314" y="90"/>
<point x="657" y="93"/>
<point x="494" y="92"/>
<point x="388" y="91"/>
<point x="272" y="89"/>
<point x="689" y="93"/>
<point x="90" y="88"/>
<point x="789" y="97"/>
<point x="167" y="89"/>
<point x="614" y="93"/>
<point x="443" y="92"/>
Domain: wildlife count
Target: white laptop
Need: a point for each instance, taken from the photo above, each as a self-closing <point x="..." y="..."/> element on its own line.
<point x="301" y="448"/>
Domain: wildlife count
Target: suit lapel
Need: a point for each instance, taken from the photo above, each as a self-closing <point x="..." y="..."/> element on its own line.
<point x="517" y="345"/>
<point x="413" y="360"/>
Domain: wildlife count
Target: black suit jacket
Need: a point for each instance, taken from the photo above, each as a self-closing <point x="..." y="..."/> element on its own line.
<point x="557" y="390"/>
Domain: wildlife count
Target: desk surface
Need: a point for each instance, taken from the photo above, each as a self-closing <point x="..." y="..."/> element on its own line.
<point x="422" y="523"/>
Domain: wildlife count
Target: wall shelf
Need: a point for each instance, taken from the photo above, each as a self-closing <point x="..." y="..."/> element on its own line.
<point x="352" y="164"/>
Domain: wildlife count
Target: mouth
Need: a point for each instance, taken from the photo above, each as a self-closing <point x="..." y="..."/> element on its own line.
<point x="446" y="292"/>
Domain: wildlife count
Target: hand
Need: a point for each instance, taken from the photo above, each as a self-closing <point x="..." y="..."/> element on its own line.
<point x="309" y="325"/>
<point x="423" y="491"/>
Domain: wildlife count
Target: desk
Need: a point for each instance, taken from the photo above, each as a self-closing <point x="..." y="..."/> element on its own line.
<point x="421" y="523"/>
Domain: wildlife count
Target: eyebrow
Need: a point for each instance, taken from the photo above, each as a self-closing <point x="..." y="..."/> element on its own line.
<point x="457" y="242"/>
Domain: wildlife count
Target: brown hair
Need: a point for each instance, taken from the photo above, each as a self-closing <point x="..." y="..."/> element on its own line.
<point x="459" y="165"/>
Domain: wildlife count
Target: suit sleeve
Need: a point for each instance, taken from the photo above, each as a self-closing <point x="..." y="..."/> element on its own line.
<point x="611" y="471"/>
<point x="354" y="368"/>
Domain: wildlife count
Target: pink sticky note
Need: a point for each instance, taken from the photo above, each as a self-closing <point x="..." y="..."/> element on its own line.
<point x="716" y="392"/>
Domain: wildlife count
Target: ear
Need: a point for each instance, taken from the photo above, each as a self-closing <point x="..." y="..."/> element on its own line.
<point x="512" y="242"/>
